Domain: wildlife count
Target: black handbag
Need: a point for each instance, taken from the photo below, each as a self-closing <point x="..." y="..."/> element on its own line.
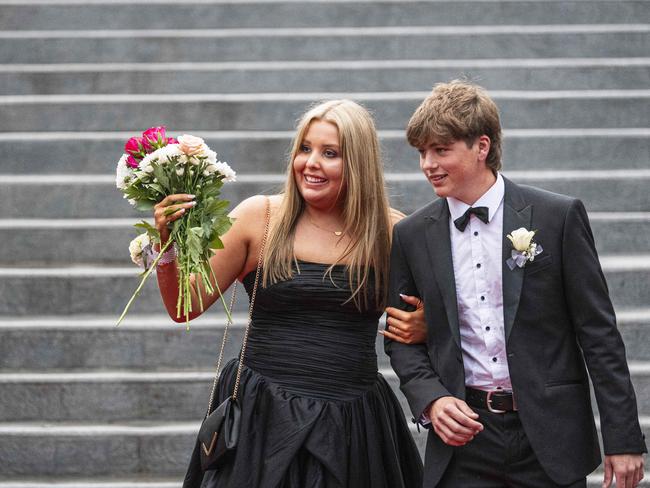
<point x="219" y="433"/>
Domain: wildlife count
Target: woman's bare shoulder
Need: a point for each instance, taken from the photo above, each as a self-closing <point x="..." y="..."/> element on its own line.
<point x="250" y="215"/>
<point x="255" y="207"/>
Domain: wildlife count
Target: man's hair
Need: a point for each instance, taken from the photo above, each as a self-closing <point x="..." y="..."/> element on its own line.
<point x="457" y="111"/>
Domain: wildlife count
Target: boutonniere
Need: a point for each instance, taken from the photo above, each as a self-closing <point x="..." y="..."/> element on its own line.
<point x="525" y="249"/>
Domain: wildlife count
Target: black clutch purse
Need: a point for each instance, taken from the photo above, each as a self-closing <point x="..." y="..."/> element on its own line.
<point x="219" y="433"/>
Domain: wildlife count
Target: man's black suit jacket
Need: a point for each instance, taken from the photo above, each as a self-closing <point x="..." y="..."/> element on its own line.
<point x="557" y="315"/>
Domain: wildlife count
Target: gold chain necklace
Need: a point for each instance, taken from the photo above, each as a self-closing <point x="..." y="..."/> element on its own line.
<point x="337" y="233"/>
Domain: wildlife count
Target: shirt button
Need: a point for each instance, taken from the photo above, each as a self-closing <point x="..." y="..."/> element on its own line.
<point x="487" y="327"/>
<point x="494" y="360"/>
<point x="475" y="233"/>
<point x="482" y="298"/>
<point x="478" y="265"/>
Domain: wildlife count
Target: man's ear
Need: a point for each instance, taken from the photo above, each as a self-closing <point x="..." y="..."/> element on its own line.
<point x="484" y="144"/>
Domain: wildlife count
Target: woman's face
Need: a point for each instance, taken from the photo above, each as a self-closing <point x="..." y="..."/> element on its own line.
<point x="318" y="166"/>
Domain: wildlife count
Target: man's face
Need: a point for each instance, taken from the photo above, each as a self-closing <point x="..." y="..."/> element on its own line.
<point x="455" y="170"/>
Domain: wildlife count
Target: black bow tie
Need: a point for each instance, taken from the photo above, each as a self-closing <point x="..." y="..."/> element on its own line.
<point x="480" y="212"/>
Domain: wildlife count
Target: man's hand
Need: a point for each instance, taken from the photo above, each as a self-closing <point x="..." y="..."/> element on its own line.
<point x="453" y="421"/>
<point x="628" y="469"/>
<point x="406" y="327"/>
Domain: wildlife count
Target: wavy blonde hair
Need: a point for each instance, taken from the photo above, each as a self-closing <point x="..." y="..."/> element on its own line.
<point x="365" y="206"/>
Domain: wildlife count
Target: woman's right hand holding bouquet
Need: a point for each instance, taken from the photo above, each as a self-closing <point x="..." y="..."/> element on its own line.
<point x="171" y="208"/>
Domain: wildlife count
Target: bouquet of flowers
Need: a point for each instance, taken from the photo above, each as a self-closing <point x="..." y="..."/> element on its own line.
<point x="155" y="166"/>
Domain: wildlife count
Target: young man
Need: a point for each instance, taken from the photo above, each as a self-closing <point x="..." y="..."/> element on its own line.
<point x="517" y="311"/>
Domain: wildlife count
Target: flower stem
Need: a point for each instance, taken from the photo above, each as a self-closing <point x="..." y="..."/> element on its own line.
<point x="144" y="278"/>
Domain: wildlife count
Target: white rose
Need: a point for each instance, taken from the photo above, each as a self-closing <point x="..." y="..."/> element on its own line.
<point x="521" y="238"/>
<point x="136" y="248"/>
<point x="192" y="145"/>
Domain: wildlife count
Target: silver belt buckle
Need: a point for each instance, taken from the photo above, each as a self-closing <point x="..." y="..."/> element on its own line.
<point x="488" y="400"/>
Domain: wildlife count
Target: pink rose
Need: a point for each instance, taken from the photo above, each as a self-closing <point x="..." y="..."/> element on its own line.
<point x="192" y="145"/>
<point x="132" y="162"/>
<point x="135" y="147"/>
<point x="154" y="138"/>
<point x="171" y="140"/>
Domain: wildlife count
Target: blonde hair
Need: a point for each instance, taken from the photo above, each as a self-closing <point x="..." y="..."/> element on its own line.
<point x="457" y="111"/>
<point x="365" y="207"/>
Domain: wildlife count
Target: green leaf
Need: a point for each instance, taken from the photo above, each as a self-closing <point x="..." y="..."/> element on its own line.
<point x="223" y="225"/>
<point x="150" y="229"/>
<point x="216" y="243"/>
<point x="144" y="205"/>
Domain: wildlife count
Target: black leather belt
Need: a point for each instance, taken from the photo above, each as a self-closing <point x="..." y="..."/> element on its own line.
<point x="496" y="401"/>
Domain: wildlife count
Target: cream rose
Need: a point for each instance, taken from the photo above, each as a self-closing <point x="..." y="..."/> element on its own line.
<point x="136" y="248"/>
<point x="192" y="145"/>
<point x="521" y="238"/>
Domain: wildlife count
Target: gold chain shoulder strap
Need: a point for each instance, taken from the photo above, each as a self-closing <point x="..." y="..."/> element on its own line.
<point x="250" y="316"/>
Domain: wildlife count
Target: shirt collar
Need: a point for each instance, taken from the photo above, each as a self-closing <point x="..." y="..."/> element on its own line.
<point x="491" y="199"/>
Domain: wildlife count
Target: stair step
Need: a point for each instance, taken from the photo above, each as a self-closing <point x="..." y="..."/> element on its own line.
<point x="145" y="448"/>
<point x="95" y="196"/>
<point x="593" y="481"/>
<point x="295" y="76"/>
<point x="113" y="396"/>
<point x="322" y="43"/>
<point x="91" y="241"/>
<point x="154" y="342"/>
<point x="45" y="153"/>
<point x="273" y="111"/>
<point x="107" y="15"/>
<point x="80" y="482"/>
<point x="89" y="290"/>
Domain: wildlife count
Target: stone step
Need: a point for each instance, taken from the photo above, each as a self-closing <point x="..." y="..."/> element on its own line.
<point x="274" y="111"/>
<point x="254" y="151"/>
<point x="102" y="290"/>
<point x="105" y="241"/>
<point x="143" y="448"/>
<point x="296" y="76"/>
<point x="204" y="15"/>
<point x="598" y="192"/>
<point x="113" y="396"/>
<point x="593" y="481"/>
<point x="325" y="43"/>
<point x="155" y="343"/>
<point x="95" y="196"/>
<point x="116" y="481"/>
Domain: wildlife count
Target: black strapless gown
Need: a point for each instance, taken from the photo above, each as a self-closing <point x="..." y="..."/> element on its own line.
<point x="315" y="411"/>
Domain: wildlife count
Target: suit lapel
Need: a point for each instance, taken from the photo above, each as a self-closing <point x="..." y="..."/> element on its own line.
<point x="438" y="243"/>
<point x="516" y="214"/>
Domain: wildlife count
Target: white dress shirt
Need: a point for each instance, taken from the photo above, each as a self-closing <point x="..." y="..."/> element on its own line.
<point x="477" y="261"/>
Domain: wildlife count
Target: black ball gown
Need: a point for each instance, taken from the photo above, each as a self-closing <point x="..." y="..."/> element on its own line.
<point x="315" y="411"/>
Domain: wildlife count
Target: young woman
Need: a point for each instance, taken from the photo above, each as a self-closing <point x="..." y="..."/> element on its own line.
<point x="315" y="411"/>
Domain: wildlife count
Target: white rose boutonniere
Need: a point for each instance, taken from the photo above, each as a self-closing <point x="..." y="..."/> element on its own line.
<point x="525" y="249"/>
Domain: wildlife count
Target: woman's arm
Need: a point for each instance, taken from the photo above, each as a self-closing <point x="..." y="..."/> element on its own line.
<point x="407" y="327"/>
<point x="238" y="257"/>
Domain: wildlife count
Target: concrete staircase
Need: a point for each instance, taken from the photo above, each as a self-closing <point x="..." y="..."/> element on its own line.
<point x="83" y="404"/>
